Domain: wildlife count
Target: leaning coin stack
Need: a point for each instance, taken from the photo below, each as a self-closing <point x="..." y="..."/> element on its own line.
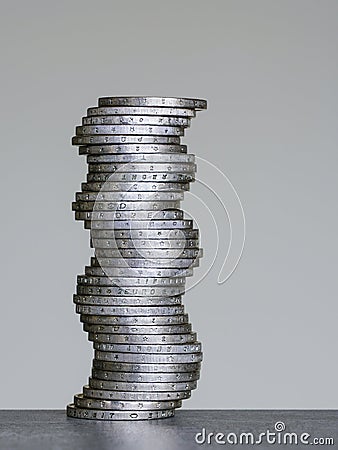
<point x="146" y="356"/>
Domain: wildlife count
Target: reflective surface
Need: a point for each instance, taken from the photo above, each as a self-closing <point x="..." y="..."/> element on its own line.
<point x="50" y="429"/>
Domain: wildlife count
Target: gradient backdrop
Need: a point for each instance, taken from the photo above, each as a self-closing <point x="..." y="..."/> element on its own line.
<point x="269" y="70"/>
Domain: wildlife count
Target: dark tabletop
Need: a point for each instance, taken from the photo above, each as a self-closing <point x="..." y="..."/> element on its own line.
<point x="51" y="429"/>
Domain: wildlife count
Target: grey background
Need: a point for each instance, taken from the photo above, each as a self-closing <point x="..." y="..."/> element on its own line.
<point x="269" y="71"/>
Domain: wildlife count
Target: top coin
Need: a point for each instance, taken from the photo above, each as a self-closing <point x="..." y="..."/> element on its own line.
<point x="168" y="102"/>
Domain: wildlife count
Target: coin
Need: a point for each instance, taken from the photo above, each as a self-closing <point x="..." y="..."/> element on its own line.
<point x="136" y="120"/>
<point x="124" y="139"/>
<point x="124" y="205"/>
<point x="138" y="263"/>
<point x="146" y="377"/>
<point x="138" y="320"/>
<point x="130" y="329"/>
<point x="131" y="310"/>
<point x="108" y="281"/>
<point x="142" y="387"/>
<point x="134" y="226"/>
<point x="130" y="215"/>
<point x="83" y="402"/>
<point x="110" y="186"/>
<point x="140" y="177"/>
<point x="133" y="291"/>
<point x="134" y="396"/>
<point x="140" y="271"/>
<point x="100" y="414"/>
<point x="128" y="196"/>
<point x="141" y="111"/>
<point x="144" y="167"/>
<point x="142" y="158"/>
<point x="146" y="243"/>
<point x="147" y="253"/>
<point x="125" y="301"/>
<point x="141" y="339"/>
<point x="132" y="348"/>
<point x="101" y="300"/>
<point x="150" y="322"/>
<point x="153" y="368"/>
<point x="141" y="224"/>
<point x="146" y="234"/>
<point x="148" y="130"/>
<point x="171" y="102"/>
<point x="148" y="357"/>
<point x="134" y="148"/>
<point x="92" y="300"/>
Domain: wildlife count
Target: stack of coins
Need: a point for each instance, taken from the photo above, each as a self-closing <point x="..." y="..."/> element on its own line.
<point x="146" y="356"/>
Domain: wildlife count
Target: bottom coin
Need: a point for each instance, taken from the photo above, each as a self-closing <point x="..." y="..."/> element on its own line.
<point x="95" y="414"/>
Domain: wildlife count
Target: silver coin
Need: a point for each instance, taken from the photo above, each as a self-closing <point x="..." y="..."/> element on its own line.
<point x="136" y="311"/>
<point x="140" y="177"/>
<point x="134" y="396"/>
<point x="108" y="281"/>
<point x="101" y="300"/>
<point x="145" y="377"/>
<point x="132" y="348"/>
<point x="134" y="149"/>
<point x="145" y="157"/>
<point x="158" y="102"/>
<point x="141" y="272"/>
<point x="133" y="291"/>
<point x="145" y="215"/>
<point x="141" y="111"/>
<point x="133" y="263"/>
<point x="128" y="196"/>
<point x="124" y="205"/>
<point x="138" y="320"/>
<point x="141" y="387"/>
<point x="134" y="225"/>
<point x="141" y="224"/>
<point x="146" y="234"/>
<point x="132" y="310"/>
<point x="91" y="300"/>
<point x="150" y="322"/>
<point x="144" y="167"/>
<point x="131" y="329"/>
<point x="140" y="130"/>
<point x="83" y="402"/>
<point x="124" y="139"/>
<point x="148" y="357"/>
<point x="146" y="243"/>
<point x="93" y="414"/>
<point x="144" y="339"/>
<point x="151" y="253"/>
<point x="144" y="187"/>
<point x="136" y="120"/>
<point x="137" y="368"/>
<point x="125" y="301"/>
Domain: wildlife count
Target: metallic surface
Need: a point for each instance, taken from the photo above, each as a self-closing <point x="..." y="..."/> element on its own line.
<point x="146" y="357"/>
